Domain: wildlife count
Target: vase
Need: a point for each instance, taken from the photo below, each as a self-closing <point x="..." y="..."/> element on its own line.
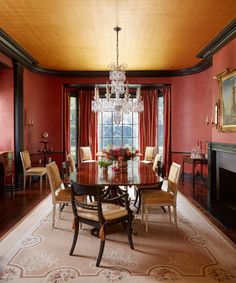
<point x="123" y="165"/>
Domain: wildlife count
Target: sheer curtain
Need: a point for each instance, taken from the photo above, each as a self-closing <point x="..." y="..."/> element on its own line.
<point x="148" y="121"/>
<point x="88" y="123"/>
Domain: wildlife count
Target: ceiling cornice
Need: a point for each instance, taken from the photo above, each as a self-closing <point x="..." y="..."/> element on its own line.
<point x="227" y="34"/>
<point x="12" y="49"/>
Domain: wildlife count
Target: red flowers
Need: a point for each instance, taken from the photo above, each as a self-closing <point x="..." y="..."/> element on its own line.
<point x="120" y="153"/>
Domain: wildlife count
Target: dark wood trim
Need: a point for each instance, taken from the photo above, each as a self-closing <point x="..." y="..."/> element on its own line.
<point x="227" y="34"/>
<point x="18" y="120"/>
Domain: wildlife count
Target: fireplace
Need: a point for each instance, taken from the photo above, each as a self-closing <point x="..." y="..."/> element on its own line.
<point x="222" y="171"/>
<point x="227" y="187"/>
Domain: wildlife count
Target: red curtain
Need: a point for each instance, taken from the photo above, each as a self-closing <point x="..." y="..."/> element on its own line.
<point x="148" y="121"/>
<point x="87" y="122"/>
<point x="66" y="122"/>
<point x="167" y="131"/>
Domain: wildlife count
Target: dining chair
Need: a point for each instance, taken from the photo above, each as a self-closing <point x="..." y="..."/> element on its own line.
<point x="162" y="198"/>
<point x="61" y="195"/>
<point x="86" y="154"/>
<point x="99" y="214"/>
<point x="150" y="152"/>
<point x="138" y="188"/>
<point x="30" y="171"/>
<point x="71" y="163"/>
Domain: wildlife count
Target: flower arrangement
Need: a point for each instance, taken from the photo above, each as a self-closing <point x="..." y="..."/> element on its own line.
<point x="120" y="153"/>
<point x="104" y="163"/>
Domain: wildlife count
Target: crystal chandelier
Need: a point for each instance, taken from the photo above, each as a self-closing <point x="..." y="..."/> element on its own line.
<point x="117" y="97"/>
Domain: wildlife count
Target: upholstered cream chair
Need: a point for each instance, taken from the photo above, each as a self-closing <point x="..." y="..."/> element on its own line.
<point x="150" y="152"/>
<point x="30" y="171"/>
<point x="71" y="163"/>
<point x="60" y="194"/>
<point x="155" y="167"/>
<point x="85" y="154"/>
<point x="161" y="197"/>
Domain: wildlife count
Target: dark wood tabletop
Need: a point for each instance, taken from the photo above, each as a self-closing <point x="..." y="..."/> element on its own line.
<point x="138" y="173"/>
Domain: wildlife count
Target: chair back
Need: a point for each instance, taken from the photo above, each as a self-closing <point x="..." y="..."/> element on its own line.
<point x="25" y="159"/>
<point x="173" y="177"/>
<point x="85" y="153"/>
<point x="71" y="163"/>
<point x="155" y="162"/>
<point x="149" y="153"/>
<point x="55" y="180"/>
<point x="84" y="192"/>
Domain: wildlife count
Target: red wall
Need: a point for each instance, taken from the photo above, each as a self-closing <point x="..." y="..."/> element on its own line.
<point x="6" y="110"/>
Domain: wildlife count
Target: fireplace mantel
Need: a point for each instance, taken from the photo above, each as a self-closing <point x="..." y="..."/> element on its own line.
<point x="214" y="150"/>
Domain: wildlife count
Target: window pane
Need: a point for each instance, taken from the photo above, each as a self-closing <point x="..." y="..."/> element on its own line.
<point x="135" y="142"/>
<point x="117" y="142"/>
<point x="107" y="131"/>
<point x="107" y="117"/>
<point x="135" y="118"/>
<point x="127" y="118"/>
<point x="117" y="131"/>
<point x="127" y="131"/>
<point x="135" y="131"/>
<point x="107" y="142"/>
<point x="127" y="142"/>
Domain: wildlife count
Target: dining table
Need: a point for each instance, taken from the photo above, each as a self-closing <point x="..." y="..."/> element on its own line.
<point x="138" y="173"/>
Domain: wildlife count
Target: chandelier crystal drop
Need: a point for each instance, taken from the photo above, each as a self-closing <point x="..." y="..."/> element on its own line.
<point x="117" y="97"/>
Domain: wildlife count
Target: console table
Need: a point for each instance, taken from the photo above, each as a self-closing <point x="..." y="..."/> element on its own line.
<point x="194" y="162"/>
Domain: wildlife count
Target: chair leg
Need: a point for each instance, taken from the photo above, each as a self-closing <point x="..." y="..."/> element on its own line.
<point x="101" y="249"/>
<point x="76" y="232"/>
<point x="30" y="181"/>
<point x="136" y="197"/>
<point x="60" y="209"/>
<point x="24" y="181"/>
<point x="129" y="231"/>
<point x="146" y="217"/>
<point x="175" y="215"/>
<point x="169" y="212"/>
<point x="139" y="201"/>
<point x="46" y="180"/>
<point x="53" y="215"/>
<point x="41" y="182"/>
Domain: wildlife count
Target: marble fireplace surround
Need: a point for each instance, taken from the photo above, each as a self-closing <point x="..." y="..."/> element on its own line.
<point x="220" y="155"/>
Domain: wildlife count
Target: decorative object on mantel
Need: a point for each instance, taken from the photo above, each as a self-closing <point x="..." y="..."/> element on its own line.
<point x="225" y="109"/>
<point x="120" y="88"/>
<point x="45" y="149"/>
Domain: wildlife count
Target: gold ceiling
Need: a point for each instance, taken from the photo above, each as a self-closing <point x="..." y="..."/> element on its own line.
<point x="78" y="34"/>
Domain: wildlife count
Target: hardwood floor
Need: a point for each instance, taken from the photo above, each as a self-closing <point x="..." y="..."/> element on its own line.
<point x="15" y="207"/>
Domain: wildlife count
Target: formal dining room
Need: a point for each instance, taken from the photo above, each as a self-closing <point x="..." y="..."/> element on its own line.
<point x="118" y="141"/>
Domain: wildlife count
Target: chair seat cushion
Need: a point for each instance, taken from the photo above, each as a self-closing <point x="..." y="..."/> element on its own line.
<point x="36" y="171"/>
<point x="157" y="197"/>
<point x="110" y="212"/>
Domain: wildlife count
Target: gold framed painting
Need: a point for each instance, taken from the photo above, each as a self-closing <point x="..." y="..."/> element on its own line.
<point x="227" y="101"/>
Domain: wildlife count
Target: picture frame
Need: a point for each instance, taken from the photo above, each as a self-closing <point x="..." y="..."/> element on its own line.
<point x="226" y="120"/>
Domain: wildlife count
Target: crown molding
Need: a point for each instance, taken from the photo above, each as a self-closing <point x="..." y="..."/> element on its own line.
<point x="12" y="49"/>
<point x="226" y="35"/>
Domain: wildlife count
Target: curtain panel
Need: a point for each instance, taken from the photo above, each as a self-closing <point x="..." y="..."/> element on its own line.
<point x="148" y="121"/>
<point x="88" y="123"/>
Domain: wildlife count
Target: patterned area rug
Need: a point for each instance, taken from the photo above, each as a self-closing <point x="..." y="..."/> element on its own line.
<point x="195" y="252"/>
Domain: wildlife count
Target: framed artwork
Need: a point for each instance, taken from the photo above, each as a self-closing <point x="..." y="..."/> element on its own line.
<point x="227" y="101"/>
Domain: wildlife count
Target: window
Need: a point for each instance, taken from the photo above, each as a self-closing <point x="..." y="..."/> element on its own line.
<point x="124" y="134"/>
<point x="73" y="127"/>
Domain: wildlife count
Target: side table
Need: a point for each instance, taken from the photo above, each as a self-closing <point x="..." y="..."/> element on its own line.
<point x="194" y="162"/>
